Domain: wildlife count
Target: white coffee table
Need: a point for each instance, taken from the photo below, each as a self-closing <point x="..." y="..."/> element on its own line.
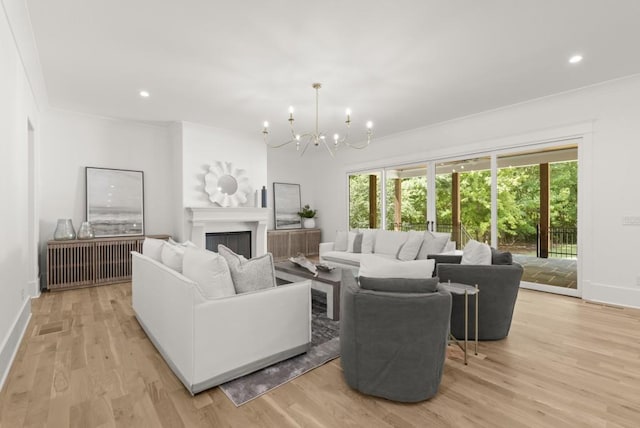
<point x="466" y="290"/>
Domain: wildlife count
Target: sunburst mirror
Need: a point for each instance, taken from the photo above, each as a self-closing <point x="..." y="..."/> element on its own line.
<point x="226" y="186"/>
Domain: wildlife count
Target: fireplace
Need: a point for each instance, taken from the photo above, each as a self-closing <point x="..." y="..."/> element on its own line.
<point x="238" y="242"/>
<point x="216" y="220"/>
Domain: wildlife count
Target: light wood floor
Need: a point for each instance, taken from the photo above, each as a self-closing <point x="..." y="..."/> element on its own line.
<point x="85" y="362"/>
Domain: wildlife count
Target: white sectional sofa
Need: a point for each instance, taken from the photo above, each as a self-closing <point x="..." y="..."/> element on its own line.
<point x="349" y="247"/>
<point x="207" y="342"/>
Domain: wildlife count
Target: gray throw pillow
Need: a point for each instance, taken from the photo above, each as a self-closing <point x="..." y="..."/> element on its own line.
<point x="500" y="258"/>
<point x="400" y="285"/>
<point x="357" y="243"/>
<point x="249" y="275"/>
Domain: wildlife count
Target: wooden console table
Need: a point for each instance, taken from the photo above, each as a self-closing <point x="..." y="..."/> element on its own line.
<point x="288" y="243"/>
<point x="91" y="262"/>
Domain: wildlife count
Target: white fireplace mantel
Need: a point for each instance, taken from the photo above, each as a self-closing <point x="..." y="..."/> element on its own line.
<point x="205" y="220"/>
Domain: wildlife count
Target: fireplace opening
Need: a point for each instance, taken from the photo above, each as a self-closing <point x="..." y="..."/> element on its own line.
<point x="238" y="242"/>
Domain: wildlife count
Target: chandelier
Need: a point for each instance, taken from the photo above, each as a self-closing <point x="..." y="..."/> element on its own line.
<point x="317" y="138"/>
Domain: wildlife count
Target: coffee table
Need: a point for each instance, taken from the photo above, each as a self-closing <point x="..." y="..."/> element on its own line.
<point x="325" y="282"/>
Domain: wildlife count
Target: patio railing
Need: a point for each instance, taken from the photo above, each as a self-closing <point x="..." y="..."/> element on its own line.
<point x="563" y="242"/>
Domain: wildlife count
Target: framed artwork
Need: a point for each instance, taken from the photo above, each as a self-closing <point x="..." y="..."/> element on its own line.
<point x="115" y="201"/>
<point x="286" y="206"/>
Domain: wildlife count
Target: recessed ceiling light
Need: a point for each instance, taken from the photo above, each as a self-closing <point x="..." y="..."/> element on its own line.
<point x="575" y="59"/>
<point x="144" y="94"/>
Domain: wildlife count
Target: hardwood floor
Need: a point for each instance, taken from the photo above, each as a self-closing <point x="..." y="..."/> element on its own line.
<point x="85" y="362"/>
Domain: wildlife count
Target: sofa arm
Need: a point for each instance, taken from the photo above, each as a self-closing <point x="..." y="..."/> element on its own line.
<point x="164" y="301"/>
<point x="325" y="247"/>
<point x="236" y="331"/>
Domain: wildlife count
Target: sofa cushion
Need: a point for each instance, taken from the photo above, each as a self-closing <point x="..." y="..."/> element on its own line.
<point x="343" y="257"/>
<point x="501" y="258"/>
<point x="152" y="248"/>
<point x="389" y="242"/>
<point x="249" y="275"/>
<point x="374" y="266"/>
<point x="410" y="249"/>
<point x="434" y="243"/>
<point x="341" y="240"/>
<point x="476" y="253"/>
<point x="368" y="240"/>
<point x="400" y="285"/>
<point x="172" y="256"/>
<point x="209" y="271"/>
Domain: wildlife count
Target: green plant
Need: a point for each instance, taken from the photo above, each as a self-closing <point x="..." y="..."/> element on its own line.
<point x="307" y="212"/>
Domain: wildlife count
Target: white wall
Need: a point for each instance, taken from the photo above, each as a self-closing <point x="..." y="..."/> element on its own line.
<point x="71" y="141"/>
<point x="17" y="108"/>
<point x="608" y="166"/>
<point x="287" y="166"/>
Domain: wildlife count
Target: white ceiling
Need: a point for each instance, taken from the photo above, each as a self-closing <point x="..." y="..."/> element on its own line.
<point x="402" y="64"/>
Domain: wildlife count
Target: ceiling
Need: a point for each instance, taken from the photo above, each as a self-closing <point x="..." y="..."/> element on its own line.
<point x="401" y="64"/>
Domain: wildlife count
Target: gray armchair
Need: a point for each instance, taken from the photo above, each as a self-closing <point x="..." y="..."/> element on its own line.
<point x="393" y="344"/>
<point x="498" y="284"/>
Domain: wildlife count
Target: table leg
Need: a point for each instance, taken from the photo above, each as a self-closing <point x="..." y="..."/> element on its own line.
<point x="476" y="319"/>
<point x="466" y="324"/>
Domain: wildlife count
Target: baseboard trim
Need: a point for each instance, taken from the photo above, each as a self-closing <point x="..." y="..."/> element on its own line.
<point x="625" y="297"/>
<point x="34" y="288"/>
<point x="12" y="341"/>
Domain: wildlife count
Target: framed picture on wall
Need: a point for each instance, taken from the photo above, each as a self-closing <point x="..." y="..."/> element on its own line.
<point x="115" y="201"/>
<point x="286" y="206"/>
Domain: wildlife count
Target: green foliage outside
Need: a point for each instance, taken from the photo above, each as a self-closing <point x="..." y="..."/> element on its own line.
<point x="414" y="202"/>
<point x="518" y="201"/>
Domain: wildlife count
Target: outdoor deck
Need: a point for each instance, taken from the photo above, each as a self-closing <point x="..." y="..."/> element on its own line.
<point x="551" y="271"/>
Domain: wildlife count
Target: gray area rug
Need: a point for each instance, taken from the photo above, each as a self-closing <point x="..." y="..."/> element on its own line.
<point x="325" y="346"/>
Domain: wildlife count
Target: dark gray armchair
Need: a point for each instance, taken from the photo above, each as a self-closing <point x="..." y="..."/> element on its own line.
<point x="498" y="284"/>
<point x="393" y="344"/>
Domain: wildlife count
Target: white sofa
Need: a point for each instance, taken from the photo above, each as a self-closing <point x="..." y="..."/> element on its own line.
<point x="209" y="342"/>
<point x="385" y="243"/>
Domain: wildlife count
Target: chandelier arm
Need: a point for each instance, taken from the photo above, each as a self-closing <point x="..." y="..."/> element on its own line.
<point x="328" y="147"/>
<point x="277" y="146"/>
<point x="306" y="146"/>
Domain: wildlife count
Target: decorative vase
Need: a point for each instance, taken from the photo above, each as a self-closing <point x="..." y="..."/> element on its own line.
<point x="309" y="223"/>
<point x="64" y="230"/>
<point x="264" y="197"/>
<point x="86" y="231"/>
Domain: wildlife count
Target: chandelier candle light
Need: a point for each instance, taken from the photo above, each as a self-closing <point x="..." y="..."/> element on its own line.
<point x="317" y="138"/>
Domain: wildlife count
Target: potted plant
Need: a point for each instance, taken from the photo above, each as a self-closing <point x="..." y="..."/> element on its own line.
<point x="307" y="215"/>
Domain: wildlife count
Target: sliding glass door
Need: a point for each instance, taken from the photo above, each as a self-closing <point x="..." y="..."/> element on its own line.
<point x="364" y="200"/>
<point x="518" y="200"/>
<point x="406" y="197"/>
<point x="538" y="213"/>
<point x="463" y="205"/>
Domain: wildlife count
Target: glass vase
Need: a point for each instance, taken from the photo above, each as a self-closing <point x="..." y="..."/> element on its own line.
<point x="86" y="231"/>
<point x="64" y="230"/>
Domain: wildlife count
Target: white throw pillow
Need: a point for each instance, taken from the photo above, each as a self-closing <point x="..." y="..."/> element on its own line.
<point x="172" y="256"/>
<point x="372" y="266"/>
<point x="152" y="248"/>
<point x="249" y="275"/>
<point x="476" y="253"/>
<point x="434" y="243"/>
<point x="368" y="240"/>
<point x="389" y="242"/>
<point x="184" y="244"/>
<point x="411" y="247"/>
<point x="340" y="243"/>
<point x="209" y="271"/>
